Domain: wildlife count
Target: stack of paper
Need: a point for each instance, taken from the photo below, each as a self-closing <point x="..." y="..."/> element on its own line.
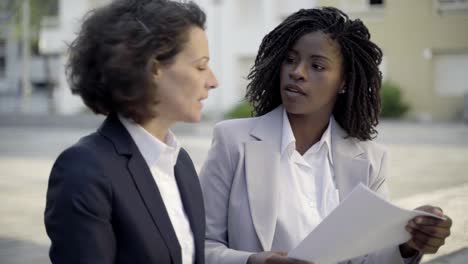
<point x="361" y="224"/>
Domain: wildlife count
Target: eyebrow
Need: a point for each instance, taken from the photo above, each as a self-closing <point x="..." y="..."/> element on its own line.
<point x="313" y="56"/>
<point x="202" y="58"/>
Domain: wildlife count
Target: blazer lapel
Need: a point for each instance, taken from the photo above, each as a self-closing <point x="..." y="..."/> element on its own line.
<point x="154" y="203"/>
<point x="146" y="185"/>
<point x="262" y="163"/>
<point x="187" y="181"/>
<point x="350" y="165"/>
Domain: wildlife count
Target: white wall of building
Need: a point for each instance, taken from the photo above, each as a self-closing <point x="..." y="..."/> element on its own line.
<point x="235" y="29"/>
<point x="54" y="40"/>
<point x="70" y="14"/>
<point x="9" y="83"/>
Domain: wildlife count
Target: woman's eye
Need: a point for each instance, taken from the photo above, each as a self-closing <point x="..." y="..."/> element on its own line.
<point x="289" y="60"/>
<point x="318" y="67"/>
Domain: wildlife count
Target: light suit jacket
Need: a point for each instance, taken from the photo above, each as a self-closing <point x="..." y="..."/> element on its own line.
<point x="240" y="185"/>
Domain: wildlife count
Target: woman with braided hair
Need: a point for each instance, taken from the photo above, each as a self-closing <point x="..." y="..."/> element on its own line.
<point x="270" y="180"/>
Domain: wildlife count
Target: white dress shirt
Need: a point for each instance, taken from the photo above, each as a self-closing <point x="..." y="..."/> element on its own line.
<point x="308" y="193"/>
<point x="161" y="158"/>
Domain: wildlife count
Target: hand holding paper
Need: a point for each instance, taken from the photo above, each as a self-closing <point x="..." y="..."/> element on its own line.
<point x="427" y="233"/>
<point x="361" y="224"/>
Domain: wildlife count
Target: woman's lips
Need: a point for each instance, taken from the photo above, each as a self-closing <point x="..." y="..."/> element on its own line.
<point x="293" y="90"/>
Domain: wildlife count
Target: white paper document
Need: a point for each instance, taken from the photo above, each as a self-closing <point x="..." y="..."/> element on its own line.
<point x="361" y="224"/>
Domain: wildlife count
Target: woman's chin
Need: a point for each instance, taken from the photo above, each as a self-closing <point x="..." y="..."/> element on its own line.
<point x="294" y="109"/>
<point x="193" y="118"/>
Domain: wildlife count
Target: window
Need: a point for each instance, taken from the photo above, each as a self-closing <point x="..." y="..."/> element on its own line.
<point x="49" y="14"/>
<point x="2" y="67"/>
<point x="2" y="59"/>
<point x="450" y="77"/>
<point x="376" y="2"/>
<point x="451" y="5"/>
<point x="51" y="8"/>
<point x="363" y="6"/>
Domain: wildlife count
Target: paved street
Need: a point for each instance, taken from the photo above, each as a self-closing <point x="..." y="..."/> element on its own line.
<point x="428" y="165"/>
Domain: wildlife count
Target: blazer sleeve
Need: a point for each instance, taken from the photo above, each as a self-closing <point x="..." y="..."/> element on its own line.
<point x="216" y="178"/>
<point x="387" y="255"/>
<point x="78" y="210"/>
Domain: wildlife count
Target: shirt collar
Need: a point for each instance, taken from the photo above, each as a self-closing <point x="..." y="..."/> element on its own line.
<point x="151" y="148"/>
<point x="326" y="139"/>
<point x="288" y="142"/>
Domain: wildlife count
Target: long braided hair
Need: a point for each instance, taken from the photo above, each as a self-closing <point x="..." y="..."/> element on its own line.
<point x="357" y="110"/>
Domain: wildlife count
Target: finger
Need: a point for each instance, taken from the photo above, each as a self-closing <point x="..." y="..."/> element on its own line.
<point x="431" y="221"/>
<point x="448" y="222"/>
<point x="298" y="261"/>
<point x="437" y="211"/>
<point x="431" y="209"/>
<point x="425" y="240"/>
<point x="278" y="259"/>
<point x="432" y="231"/>
<point x="422" y="247"/>
<point x="413" y="245"/>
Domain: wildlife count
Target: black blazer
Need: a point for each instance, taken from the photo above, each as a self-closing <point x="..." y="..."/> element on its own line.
<point x="103" y="205"/>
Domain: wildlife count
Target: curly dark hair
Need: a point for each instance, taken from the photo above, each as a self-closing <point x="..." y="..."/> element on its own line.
<point x="111" y="60"/>
<point x="357" y="110"/>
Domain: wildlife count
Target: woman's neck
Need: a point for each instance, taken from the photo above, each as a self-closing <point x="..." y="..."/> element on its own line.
<point x="308" y="129"/>
<point x="158" y="128"/>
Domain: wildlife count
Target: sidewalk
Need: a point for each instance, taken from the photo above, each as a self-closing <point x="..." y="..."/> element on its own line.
<point x="458" y="257"/>
<point x="428" y="164"/>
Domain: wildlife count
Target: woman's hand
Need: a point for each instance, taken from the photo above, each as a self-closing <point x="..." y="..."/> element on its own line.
<point x="428" y="234"/>
<point x="270" y="257"/>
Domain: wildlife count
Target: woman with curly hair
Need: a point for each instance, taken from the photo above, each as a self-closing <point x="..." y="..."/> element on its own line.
<point x="129" y="193"/>
<point x="270" y="180"/>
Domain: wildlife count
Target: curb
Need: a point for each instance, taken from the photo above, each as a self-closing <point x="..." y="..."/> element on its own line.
<point x="457" y="257"/>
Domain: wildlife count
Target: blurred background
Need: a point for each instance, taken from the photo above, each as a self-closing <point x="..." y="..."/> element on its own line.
<point x="424" y="118"/>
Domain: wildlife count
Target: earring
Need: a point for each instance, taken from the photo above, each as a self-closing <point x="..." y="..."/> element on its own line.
<point x="342" y="91"/>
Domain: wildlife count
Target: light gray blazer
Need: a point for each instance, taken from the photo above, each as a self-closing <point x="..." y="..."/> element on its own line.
<point x="240" y="184"/>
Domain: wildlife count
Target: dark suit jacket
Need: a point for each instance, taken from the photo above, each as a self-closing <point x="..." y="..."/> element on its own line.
<point x="103" y="205"/>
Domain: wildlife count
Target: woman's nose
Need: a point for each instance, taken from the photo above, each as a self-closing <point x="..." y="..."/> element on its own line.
<point x="298" y="73"/>
<point x="212" y="81"/>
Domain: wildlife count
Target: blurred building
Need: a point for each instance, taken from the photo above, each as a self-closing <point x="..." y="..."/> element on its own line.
<point x="235" y="30"/>
<point x="425" y="45"/>
<point x="9" y="73"/>
<point x="42" y="71"/>
<point x="56" y="32"/>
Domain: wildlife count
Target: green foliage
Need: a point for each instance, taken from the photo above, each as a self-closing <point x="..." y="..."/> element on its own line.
<point x="241" y="110"/>
<point x="393" y="105"/>
<point x="392" y="102"/>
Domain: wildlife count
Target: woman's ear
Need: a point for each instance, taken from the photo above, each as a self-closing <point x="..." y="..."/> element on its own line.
<point x="343" y="87"/>
<point x="156" y="69"/>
